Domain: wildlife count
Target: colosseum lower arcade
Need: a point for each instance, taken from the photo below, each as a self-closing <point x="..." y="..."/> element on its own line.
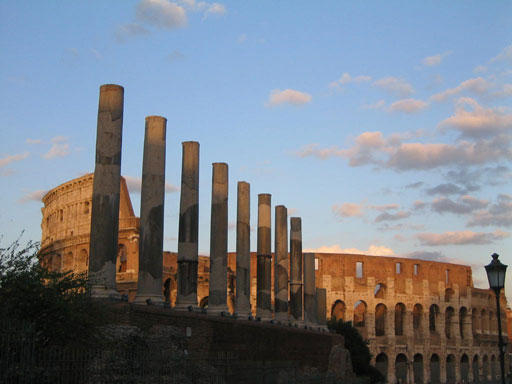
<point x="425" y="321"/>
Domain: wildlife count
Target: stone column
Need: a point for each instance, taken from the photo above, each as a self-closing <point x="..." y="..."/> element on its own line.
<point x="243" y="251"/>
<point x="217" y="298"/>
<point x="309" y="289"/>
<point x="321" y="302"/>
<point x="152" y="197"/>
<point x="296" y="269"/>
<point x="281" y="263"/>
<point x="264" y="261"/>
<point x="105" y="194"/>
<point x="188" y="227"/>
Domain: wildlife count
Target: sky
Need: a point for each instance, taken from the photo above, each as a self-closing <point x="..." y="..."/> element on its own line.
<point x="385" y="126"/>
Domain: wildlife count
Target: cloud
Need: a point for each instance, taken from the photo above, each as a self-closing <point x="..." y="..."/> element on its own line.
<point x="498" y="214"/>
<point x="381" y="104"/>
<point x="477" y="85"/>
<point x="347" y="79"/>
<point x="175" y="56"/>
<point x="373" y="250"/>
<point x="384" y="207"/>
<point x="465" y="205"/>
<point x="216" y="9"/>
<point x="33" y="196"/>
<point x="434" y="60"/>
<point x="33" y="141"/>
<point x="386" y="216"/>
<point x="505" y="55"/>
<point x="445" y="189"/>
<point x="12" y="158"/>
<point x="348" y="210"/>
<point x="126" y="31"/>
<point x="393" y="85"/>
<point x="408" y="106"/>
<point x="161" y="14"/>
<point x="414" y="185"/>
<point x="134" y="185"/>
<point x="470" y="178"/>
<point x="288" y="96"/>
<point x="419" y="205"/>
<point x="477" y="121"/>
<point x="460" y="238"/>
<point x="60" y="148"/>
<point x="480" y="69"/>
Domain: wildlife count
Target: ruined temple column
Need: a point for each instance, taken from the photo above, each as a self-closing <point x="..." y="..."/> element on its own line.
<point x="296" y="269"/>
<point x="321" y="302"/>
<point x="151" y="237"/>
<point x="188" y="227"/>
<point x="105" y="194"/>
<point x="264" y="259"/>
<point x="217" y="298"/>
<point x="281" y="263"/>
<point x="310" y="309"/>
<point x="243" y="251"/>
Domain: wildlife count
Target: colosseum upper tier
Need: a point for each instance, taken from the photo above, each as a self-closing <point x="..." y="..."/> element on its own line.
<point x="423" y="319"/>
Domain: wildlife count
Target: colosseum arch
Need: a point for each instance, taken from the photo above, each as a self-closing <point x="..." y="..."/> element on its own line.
<point x="56" y="262"/>
<point x="476" y="369"/>
<point x="464" y="368"/>
<point x="417" y="368"/>
<point x="450" y="369"/>
<point x="463" y="323"/>
<point x="435" y="369"/>
<point x="401" y="368"/>
<point x="417" y="318"/>
<point x="494" y="368"/>
<point x="433" y="318"/>
<point x="381" y="363"/>
<point x="448" y="322"/>
<point x="203" y="303"/>
<point x="380" y="291"/>
<point x="360" y="313"/>
<point x="82" y="261"/>
<point x="485" y="368"/>
<point x="399" y="319"/>
<point x="338" y="310"/>
<point x="68" y="262"/>
<point x="381" y="312"/>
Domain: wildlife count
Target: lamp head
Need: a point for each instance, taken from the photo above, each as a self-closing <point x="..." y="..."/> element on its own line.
<point x="496" y="273"/>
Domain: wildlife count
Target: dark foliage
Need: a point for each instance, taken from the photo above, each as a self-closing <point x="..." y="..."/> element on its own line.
<point x="358" y="348"/>
<point x="54" y="304"/>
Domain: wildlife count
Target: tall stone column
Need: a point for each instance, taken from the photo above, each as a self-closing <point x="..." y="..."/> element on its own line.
<point x="310" y="309"/>
<point x="152" y="197"/>
<point x="321" y="302"/>
<point x="105" y="194"/>
<point x="217" y="298"/>
<point x="243" y="251"/>
<point x="264" y="259"/>
<point x="296" y="268"/>
<point x="188" y="227"/>
<point x="281" y="263"/>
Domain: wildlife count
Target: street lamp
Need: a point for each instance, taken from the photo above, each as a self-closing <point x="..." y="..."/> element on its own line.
<point x="496" y="275"/>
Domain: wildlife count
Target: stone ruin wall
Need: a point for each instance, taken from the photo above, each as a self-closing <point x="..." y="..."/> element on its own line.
<point x="394" y="307"/>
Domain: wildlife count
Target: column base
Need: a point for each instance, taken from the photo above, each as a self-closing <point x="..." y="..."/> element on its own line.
<point x="143" y="299"/>
<point x="102" y="292"/>
<point x="217" y="310"/>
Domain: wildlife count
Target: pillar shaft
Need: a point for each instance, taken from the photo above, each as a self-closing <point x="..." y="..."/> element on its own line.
<point x="243" y="251"/>
<point x="321" y="302"/>
<point x="105" y="195"/>
<point x="217" y="299"/>
<point x="188" y="227"/>
<point x="310" y="309"/>
<point x="264" y="259"/>
<point x="296" y="269"/>
<point x="151" y="237"/>
<point x="281" y="263"/>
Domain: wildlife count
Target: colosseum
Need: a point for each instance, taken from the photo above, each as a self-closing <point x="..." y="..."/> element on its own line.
<point x="424" y="320"/>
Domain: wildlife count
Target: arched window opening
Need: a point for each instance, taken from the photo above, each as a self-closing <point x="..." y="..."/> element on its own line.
<point x="476" y="369"/>
<point x="381" y="363"/>
<point x="360" y="314"/>
<point x="83" y="261"/>
<point x="463" y="315"/>
<point x="338" y="310"/>
<point x="121" y="258"/>
<point x="417" y="316"/>
<point x="417" y="368"/>
<point x="399" y="319"/>
<point x="203" y="304"/>
<point x="494" y="368"/>
<point x="435" y="369"/>
<point x="485" y="368"/>
<point x="464" y="368"/>
<point x="433" y="317"/>
<point x="380" y="291"/>
<point x="450" y="369"/>
<point x="380" y="320"/>
<point x="57" y="263"/>
<point x="167" y="290"/>
<point x="448" y="322"/>
<point x="401" y="368"/>
<point x="68" y="262"/>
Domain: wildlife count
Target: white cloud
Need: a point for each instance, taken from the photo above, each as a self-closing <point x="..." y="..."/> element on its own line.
<point x="477" y="85"/>
<point x="33" y="196"/>
<point x="498" y="214"/>
<point x="34" y="141"/>
<point x="161" y="13"/>
<point x="434" y="60"/>
<point x="408" y="106"/>
<point x="373" y="250"/>
<point x="348" y="210"/>
<point x="384" y="207"/>
<point x="505" y="55"/>
<point x="216" y="9"/>
<point x="288" y="96"/>
<point x="125" y="31"/>
<point x="460" y="238"/>
<point x="60" y="148"/>
<point x="134" y="185"/>
<point x="12" y="158"/>
<point x="347" y="79"/>
<point x="477" y="121"/>
<point x="398" y="87"/>
<point x="480" y="69"/>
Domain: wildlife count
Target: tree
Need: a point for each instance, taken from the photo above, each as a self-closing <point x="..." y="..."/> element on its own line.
<point x="54" y="304"/>
<point x="358" y="348"/>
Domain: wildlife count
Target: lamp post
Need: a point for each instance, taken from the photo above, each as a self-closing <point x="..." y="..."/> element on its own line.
<point x="496" y="274"/>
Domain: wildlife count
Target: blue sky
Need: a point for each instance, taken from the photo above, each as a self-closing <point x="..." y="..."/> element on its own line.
<point x="386" y="126"/>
